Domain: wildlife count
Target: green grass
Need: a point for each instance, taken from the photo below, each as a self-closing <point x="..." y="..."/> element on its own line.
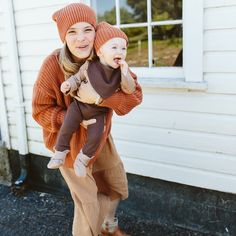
<point x="164" y="52"/>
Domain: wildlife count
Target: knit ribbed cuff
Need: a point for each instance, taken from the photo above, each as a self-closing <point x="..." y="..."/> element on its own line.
<point x="60" y="117"/>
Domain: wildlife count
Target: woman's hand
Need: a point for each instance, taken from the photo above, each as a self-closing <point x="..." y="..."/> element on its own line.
<point x="86" y="123"/>
<point x="86" y="92"/>
<point x="65" y="87"/>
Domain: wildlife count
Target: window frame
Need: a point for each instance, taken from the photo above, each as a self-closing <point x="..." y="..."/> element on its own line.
<point x="190" y="76"/>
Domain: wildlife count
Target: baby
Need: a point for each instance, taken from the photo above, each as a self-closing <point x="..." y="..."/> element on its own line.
<point x="107" y="74"/>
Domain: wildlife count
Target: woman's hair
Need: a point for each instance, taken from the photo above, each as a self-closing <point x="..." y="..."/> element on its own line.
<point x="68" y="64"/>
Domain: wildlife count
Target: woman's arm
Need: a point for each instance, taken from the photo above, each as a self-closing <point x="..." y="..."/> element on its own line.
<point x="47" y="96"/>
<point x="45" y="111"/>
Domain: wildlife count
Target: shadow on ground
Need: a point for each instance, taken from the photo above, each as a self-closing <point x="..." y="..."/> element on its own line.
<point x="43" y="214"/>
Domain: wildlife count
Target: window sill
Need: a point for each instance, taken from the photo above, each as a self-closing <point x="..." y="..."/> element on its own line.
<point x="173" y="83"/>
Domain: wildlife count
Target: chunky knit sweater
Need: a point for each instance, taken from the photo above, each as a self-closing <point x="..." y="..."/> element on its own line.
<point x="49" y="107"/>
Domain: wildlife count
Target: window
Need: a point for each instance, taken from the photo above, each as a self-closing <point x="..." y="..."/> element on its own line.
<point x="154" y="29"/>
<point x="165" y="36"/>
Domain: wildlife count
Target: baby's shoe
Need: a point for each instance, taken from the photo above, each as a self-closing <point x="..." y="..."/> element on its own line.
<point x="80" y="164"/>
<point x="58" y="159"/>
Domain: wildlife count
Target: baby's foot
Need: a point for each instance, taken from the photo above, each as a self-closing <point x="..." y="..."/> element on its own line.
<point x="57" y="160"/>
<point x="80" y="164"/>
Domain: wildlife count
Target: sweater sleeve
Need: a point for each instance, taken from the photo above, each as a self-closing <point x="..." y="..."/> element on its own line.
<point x="45" y="110"/>
<point x="123" y="103"/>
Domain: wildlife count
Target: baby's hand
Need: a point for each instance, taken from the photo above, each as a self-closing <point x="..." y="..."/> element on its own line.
<point x="65" y="87"/>
<point x="123" y="67"/>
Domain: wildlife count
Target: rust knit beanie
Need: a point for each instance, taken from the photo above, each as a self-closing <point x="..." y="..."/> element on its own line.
<point x="105" y="32"/>
<point x="71" y="14"/>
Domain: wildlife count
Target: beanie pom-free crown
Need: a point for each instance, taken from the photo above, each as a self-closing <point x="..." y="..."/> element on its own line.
<point x="71" y="14"/>
<point x="105" y="32"/>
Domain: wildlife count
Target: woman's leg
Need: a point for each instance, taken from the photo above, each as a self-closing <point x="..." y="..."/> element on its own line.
<point x="112" y="180"/>
<point x="87" y="203"/>
<point x="116" y="179"/>
<point x="109" y="172"/>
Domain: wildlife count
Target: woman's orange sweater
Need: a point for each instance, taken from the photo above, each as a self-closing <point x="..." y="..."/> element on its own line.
<point x="49" y="106"/>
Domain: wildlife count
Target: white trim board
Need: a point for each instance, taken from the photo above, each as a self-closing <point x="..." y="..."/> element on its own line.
<point x="3" y="118"/>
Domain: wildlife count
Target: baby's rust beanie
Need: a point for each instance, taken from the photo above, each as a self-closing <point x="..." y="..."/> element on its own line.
<point x="105" y="32"/>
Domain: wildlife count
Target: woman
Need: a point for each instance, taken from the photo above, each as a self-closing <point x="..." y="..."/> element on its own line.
<point x="96" y="196"/>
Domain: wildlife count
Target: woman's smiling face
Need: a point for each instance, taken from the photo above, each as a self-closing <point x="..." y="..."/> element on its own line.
<point x="79" y="39"/>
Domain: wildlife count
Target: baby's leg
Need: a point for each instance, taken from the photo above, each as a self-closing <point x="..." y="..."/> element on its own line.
<point x="71" y="123"/>
<point x="94" y="136"/>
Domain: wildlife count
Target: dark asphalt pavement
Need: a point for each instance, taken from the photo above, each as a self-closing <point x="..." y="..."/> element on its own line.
<point x="43" y="214"/>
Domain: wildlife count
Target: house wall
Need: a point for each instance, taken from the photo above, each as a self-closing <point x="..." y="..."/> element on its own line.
<point x="176" y="135"/>
<point x="189" y="137"/>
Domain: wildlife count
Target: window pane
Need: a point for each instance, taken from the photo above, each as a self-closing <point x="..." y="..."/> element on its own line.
<point x="166" y="10"/>
<point x="132" y="11"/>
<point x="137" y="54"/>
<point x="105" y="10"/>
<point x="167" y="45"/>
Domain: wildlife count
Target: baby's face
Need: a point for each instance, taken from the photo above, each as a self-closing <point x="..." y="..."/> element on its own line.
<point x="113" y="51"/>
